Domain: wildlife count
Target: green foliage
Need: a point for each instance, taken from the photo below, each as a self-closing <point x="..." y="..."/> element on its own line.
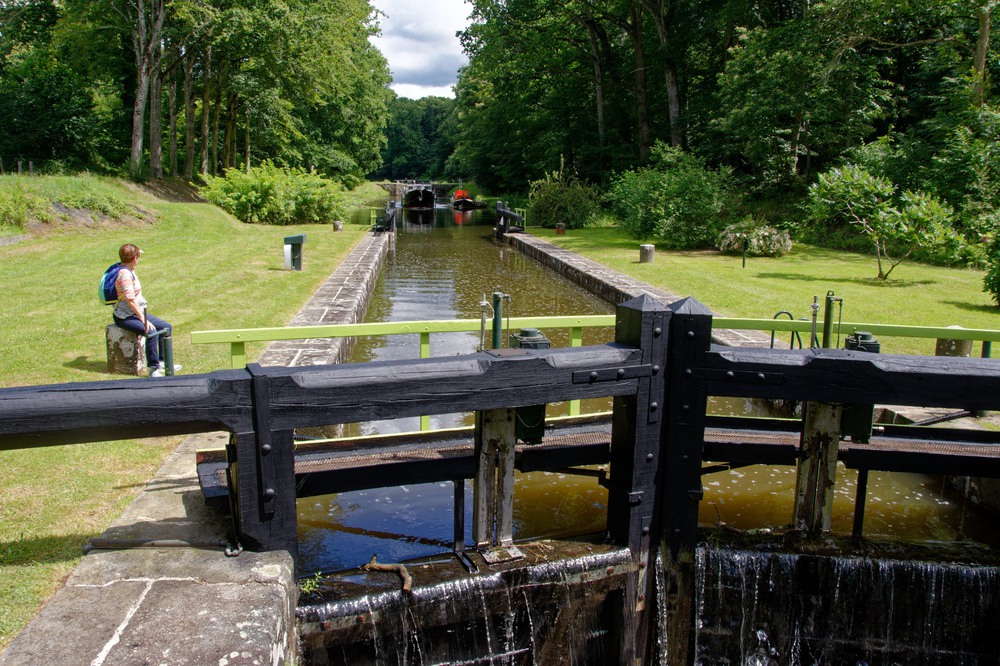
<point x="965" y="170"/>
<point x="309" y="88"/>
<point x="560" y="197"/>
<point x="422" y="135"/>
<point x="15" y="202"/>
<point x="894" y="224"/>
<point x="795" y="92"/>
<point x="271" y="195"/>
<point x="760" y="239"/>
<point x="676" y="199"/>
<point x="310" y="584"/>
<point x="37" y="199"/>
<point x="991" y="281"/>
<point x="45" y="110"/>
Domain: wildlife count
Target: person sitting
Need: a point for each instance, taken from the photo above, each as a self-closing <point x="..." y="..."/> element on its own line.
<point x="130" y="310"/>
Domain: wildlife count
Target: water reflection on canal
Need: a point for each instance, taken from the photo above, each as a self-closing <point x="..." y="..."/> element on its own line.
<point x="443" y="264"/>
<point x="444" y="261"/>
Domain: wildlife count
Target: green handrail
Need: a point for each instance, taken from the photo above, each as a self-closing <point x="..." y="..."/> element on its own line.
<point x="889" y="330"/>
<point x="238" y="338"/>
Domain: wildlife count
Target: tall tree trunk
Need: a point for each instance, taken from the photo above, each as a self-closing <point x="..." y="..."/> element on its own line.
<point x="982" y="50"/>
<point x="216" y="114"/>
<point x="641" y="91"/>
<point x="138" y="122"/>
<point x="147" y="24"/>
<point x="228" y="149"/>
<point x="172" y="121"/>
<point x="673" y="104"/>
<point x="206" y="91"/>
<point x="597" y="59"/>
<point x="246" y="137"/>
<point x="793" y="158"/>
<point x="662" y="18"/>
<point x="156" y="115"/>
<point x="188" y="87"/>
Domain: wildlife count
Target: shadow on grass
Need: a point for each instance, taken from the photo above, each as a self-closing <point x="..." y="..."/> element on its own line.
<point x="43" y="550"/>
<point x="867" y="282"/>
<point x="88" y="364"/>
<point x="974" y="307"/>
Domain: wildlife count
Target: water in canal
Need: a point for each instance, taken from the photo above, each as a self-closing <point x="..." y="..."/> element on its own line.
<point x="443" y="264"/>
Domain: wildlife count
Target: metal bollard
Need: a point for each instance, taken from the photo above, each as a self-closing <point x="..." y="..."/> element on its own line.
<point x="293" y="252"/>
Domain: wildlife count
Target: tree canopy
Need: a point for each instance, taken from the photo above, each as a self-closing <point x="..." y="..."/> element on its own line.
<point x="779" y="90"/>
<point x="218" y="83"/>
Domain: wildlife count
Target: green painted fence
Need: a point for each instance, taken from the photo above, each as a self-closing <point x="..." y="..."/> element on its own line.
<point x="237" y="339"/>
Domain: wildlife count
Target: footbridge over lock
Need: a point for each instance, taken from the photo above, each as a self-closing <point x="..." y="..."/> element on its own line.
<point x="396" y="189"/>
<point x="660" y="370"/>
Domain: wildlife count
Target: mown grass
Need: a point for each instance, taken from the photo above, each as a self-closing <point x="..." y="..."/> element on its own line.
<point x="201" y="269"/>
<point x="915" y="294"/>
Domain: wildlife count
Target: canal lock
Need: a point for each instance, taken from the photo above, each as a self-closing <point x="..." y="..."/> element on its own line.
<point x="509" y="632"/>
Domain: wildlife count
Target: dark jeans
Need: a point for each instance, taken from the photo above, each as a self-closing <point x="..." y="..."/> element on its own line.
<point x="134" y="324"/>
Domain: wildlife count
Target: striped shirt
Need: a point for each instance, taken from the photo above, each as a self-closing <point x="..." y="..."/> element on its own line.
<point x="127" y="287"/>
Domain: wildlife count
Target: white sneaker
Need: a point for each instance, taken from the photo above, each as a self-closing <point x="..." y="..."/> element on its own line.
<point x="160" y="371"/>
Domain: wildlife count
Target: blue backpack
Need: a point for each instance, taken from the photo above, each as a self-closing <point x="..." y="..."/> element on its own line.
<point x="106" y="291"/>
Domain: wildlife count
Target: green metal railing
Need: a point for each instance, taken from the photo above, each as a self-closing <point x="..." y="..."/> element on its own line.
<point x="984" y="335"/>
<point x="237" y="339"/>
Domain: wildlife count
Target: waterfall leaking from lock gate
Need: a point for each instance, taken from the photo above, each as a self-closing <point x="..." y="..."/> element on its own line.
<point x="762" y="608"/>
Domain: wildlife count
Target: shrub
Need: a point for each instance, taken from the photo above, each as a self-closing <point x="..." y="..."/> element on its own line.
<point x="676" y="199"/>
<point x="991" y="281"/>
<point x="762" y="240"/>
<point x="895" y="225"/>
<point x="15" y="203"/>
<point x="561" y="198"/>
<point x="271" y="195"/>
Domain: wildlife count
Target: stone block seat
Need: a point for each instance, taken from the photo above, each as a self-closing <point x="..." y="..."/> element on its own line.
<point x="126" y="351"/>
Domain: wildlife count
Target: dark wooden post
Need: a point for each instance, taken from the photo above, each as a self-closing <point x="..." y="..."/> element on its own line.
<point x="684" y="435"/>
<point x="635" y="462"/>
<point x="262" y="464"/>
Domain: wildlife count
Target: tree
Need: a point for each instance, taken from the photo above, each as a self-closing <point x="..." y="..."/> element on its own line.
<point x="45" y="110"/>
<point x="793" y="95"/>
<point x="421" y="138"/>
<point x="895" y="226"/>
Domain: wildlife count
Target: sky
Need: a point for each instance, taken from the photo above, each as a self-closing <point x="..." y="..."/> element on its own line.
<point x="418" y="39"/>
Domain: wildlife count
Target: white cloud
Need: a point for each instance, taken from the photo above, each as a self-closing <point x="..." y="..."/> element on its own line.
<point x="418" y="39"/>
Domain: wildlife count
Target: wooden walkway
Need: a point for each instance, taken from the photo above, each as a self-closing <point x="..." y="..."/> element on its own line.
<point x="384" y="461"/>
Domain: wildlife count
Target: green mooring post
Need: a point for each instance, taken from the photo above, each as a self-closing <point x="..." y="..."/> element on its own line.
<point x="498" y="297"/>
<point x="828" y="319"/>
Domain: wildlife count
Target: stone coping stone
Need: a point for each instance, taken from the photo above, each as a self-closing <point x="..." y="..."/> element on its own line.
<point x="185" y="604"/>
<point x="168" y="605"/>
<point x="617" y="287"/>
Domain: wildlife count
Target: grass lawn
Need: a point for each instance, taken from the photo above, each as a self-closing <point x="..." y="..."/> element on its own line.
<point x="915" y="294"/>
<point x="201" y="269"/>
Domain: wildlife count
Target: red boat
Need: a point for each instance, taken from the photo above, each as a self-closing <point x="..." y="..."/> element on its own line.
<point x="462" y="200"/>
